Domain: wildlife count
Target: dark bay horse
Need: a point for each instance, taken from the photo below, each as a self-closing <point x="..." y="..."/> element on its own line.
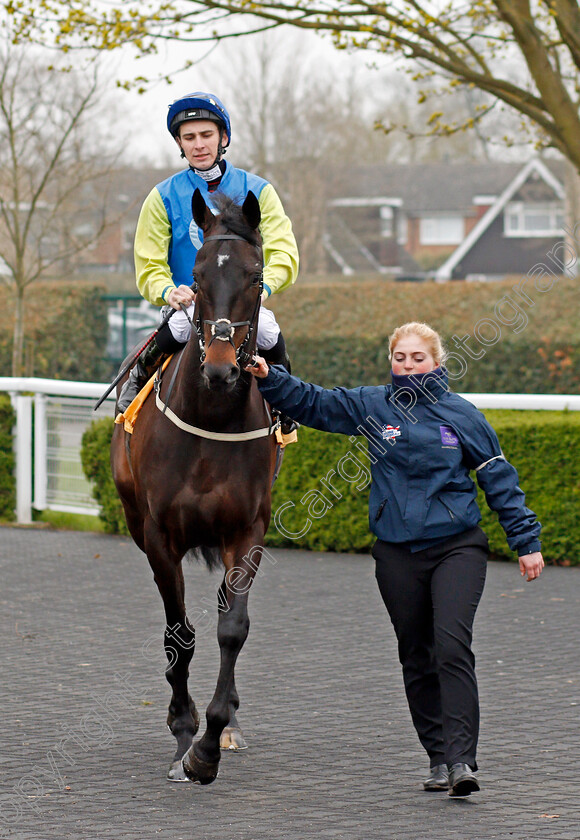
<point x="196" y="473"/>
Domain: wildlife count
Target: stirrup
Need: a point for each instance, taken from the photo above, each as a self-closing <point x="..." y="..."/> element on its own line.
<point x="287" y="431"/>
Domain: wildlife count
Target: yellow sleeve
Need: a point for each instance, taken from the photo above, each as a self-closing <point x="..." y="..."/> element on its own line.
<point x="152" y="239"/>
<point x="280" y="249"/>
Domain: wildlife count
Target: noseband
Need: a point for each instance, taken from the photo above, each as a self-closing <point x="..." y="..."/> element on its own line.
<point x="223" y="329"/>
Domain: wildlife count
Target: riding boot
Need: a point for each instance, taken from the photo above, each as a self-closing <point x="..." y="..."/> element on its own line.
<point x="141" y="372"/>
<point x="278" y="355"/>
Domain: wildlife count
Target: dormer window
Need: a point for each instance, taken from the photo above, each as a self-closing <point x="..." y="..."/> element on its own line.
<point x="524" y="218"/>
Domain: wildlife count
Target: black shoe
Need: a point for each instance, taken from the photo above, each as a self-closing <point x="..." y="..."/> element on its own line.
<point x="438" y="778"/>
<point x="462" y="782"/>
<point x="143" y="370"/>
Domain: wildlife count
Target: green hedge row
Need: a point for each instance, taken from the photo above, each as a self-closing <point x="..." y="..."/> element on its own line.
<point x="95" y="449"/>
<point x="527" y="366"/>
<point x="65" y="333"/>
<point x="7" y="480"/>
<point x="540" y="444"/>
<point x="337" y="333"/>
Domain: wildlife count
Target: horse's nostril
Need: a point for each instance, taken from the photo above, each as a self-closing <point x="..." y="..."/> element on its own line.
<point x="220" y="375"/>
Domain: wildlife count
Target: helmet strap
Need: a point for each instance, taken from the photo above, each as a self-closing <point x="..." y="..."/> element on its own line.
<point x="221" y="152"/>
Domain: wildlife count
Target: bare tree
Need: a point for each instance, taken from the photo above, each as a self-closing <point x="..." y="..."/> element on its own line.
<point x="49" y="159"/>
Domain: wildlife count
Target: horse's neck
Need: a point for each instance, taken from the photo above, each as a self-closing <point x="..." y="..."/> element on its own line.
<point x="196" y="404"/>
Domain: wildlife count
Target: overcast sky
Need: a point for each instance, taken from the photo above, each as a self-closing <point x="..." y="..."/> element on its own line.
<point x="145" y="113"/>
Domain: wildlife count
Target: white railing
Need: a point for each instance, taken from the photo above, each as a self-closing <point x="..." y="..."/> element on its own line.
<point x="49" y="474"/>
<point x="51" y="417"/>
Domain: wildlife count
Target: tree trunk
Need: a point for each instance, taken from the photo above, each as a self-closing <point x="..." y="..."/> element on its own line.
<point x="572" y="210"/>
<point x="18" y="334"/>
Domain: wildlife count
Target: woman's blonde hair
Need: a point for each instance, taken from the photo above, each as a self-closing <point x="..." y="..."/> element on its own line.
<point x="424" y="331"/>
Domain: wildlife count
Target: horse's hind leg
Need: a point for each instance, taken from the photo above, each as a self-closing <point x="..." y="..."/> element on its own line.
<point x="232" y="737"/>
<point x="182" y="718"/>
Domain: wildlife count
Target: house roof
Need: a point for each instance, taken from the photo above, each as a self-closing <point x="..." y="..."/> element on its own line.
<point x="533" y="166"/>
<point x="430" y="187"/>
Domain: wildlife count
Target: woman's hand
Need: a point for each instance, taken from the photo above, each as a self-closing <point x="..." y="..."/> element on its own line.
<point x="259" y="367"/>
<point x="531" y="564"/>
<point x="181" y="294"/>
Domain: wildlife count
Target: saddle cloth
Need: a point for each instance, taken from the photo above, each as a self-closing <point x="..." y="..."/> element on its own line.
<point x="129" y="417"/>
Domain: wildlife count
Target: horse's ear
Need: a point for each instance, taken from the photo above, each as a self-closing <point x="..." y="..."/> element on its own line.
<point x="251" y="210"/>
<point x="202" y="215"/>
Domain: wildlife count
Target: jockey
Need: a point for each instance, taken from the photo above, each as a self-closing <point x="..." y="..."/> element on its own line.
<point x="167" y="239"/>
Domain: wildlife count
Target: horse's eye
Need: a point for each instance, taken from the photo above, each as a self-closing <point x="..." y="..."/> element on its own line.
<point x="257" y="278"/>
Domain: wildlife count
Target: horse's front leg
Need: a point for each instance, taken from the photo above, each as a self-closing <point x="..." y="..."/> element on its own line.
<point x="202" y="760"/>
<point x="179" y="641"/>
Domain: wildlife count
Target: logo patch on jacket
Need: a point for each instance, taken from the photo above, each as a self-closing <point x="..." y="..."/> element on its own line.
<point x="448" y="436"/>
<point x="390" y="432"/>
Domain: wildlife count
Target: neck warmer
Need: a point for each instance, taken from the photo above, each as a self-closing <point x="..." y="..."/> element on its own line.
<point x="434" y="381"/>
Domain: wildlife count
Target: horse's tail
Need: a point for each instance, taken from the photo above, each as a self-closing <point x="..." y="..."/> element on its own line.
<point x="211" y="555"/>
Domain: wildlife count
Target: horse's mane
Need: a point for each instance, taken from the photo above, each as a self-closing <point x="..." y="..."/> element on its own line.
<point x="232" y="217"/>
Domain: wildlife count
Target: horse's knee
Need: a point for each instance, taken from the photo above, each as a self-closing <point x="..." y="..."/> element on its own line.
<point x="233" y="631"/>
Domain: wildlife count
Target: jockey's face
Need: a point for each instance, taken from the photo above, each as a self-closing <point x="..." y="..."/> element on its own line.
<point x="199" y="140"/>
<point x="412" y="355"/>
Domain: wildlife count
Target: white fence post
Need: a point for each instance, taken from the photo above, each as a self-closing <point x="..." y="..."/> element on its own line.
<point x="40" y="452"/>
<point x="23" y="451"/>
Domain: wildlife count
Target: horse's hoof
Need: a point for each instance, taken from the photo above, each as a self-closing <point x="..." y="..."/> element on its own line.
<point x="232" y="739"/>
<point x="176" y="773"/>
<point x="197" y="770"/>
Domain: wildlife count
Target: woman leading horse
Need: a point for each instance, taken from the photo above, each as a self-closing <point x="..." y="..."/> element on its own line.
<point x="197" y="470"/>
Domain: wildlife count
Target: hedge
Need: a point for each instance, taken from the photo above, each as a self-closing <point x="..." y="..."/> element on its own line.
<point x="337" y="333"/>
<point x="7" y="480"/>
<point x="65" y="333"/>
<point x="549" y="366"/>
<point x="95" y="448"/>
<point x="539" y="443"/>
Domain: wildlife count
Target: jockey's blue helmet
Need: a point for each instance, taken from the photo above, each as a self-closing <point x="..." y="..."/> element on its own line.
<point x="198" y="106"/>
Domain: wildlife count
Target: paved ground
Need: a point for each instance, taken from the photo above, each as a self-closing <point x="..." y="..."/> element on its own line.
<point x="83" y="704"/>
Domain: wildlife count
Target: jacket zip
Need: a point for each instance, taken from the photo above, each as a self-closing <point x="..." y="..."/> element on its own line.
<point x="449" y="511"/>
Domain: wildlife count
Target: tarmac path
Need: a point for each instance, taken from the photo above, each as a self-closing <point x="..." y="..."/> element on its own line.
<point x="83" y="704"/>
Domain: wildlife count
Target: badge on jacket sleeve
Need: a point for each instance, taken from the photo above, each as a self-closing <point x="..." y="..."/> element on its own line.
<point x="390" y="432"/>
<point x="448" y="436"/>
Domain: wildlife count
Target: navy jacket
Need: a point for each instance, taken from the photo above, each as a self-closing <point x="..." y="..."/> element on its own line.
<point x="423" y="441"/>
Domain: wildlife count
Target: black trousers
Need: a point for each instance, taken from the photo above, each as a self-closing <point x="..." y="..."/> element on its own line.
<point x="431" y="596"/>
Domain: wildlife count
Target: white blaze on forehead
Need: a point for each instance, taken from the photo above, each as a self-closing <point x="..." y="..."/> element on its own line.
<point x="222" y="258"/>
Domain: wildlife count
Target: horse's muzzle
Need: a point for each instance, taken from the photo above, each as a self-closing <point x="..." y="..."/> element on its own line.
<point x="220" y="377"/>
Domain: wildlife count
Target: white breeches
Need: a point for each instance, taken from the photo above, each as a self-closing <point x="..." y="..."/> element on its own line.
<point x="268" y="329"/>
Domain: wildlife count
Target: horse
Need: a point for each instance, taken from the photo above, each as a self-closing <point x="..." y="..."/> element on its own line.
<point x="195" y="475"/>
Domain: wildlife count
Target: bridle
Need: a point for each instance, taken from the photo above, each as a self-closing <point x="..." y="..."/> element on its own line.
<point x="222" y="329"/>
